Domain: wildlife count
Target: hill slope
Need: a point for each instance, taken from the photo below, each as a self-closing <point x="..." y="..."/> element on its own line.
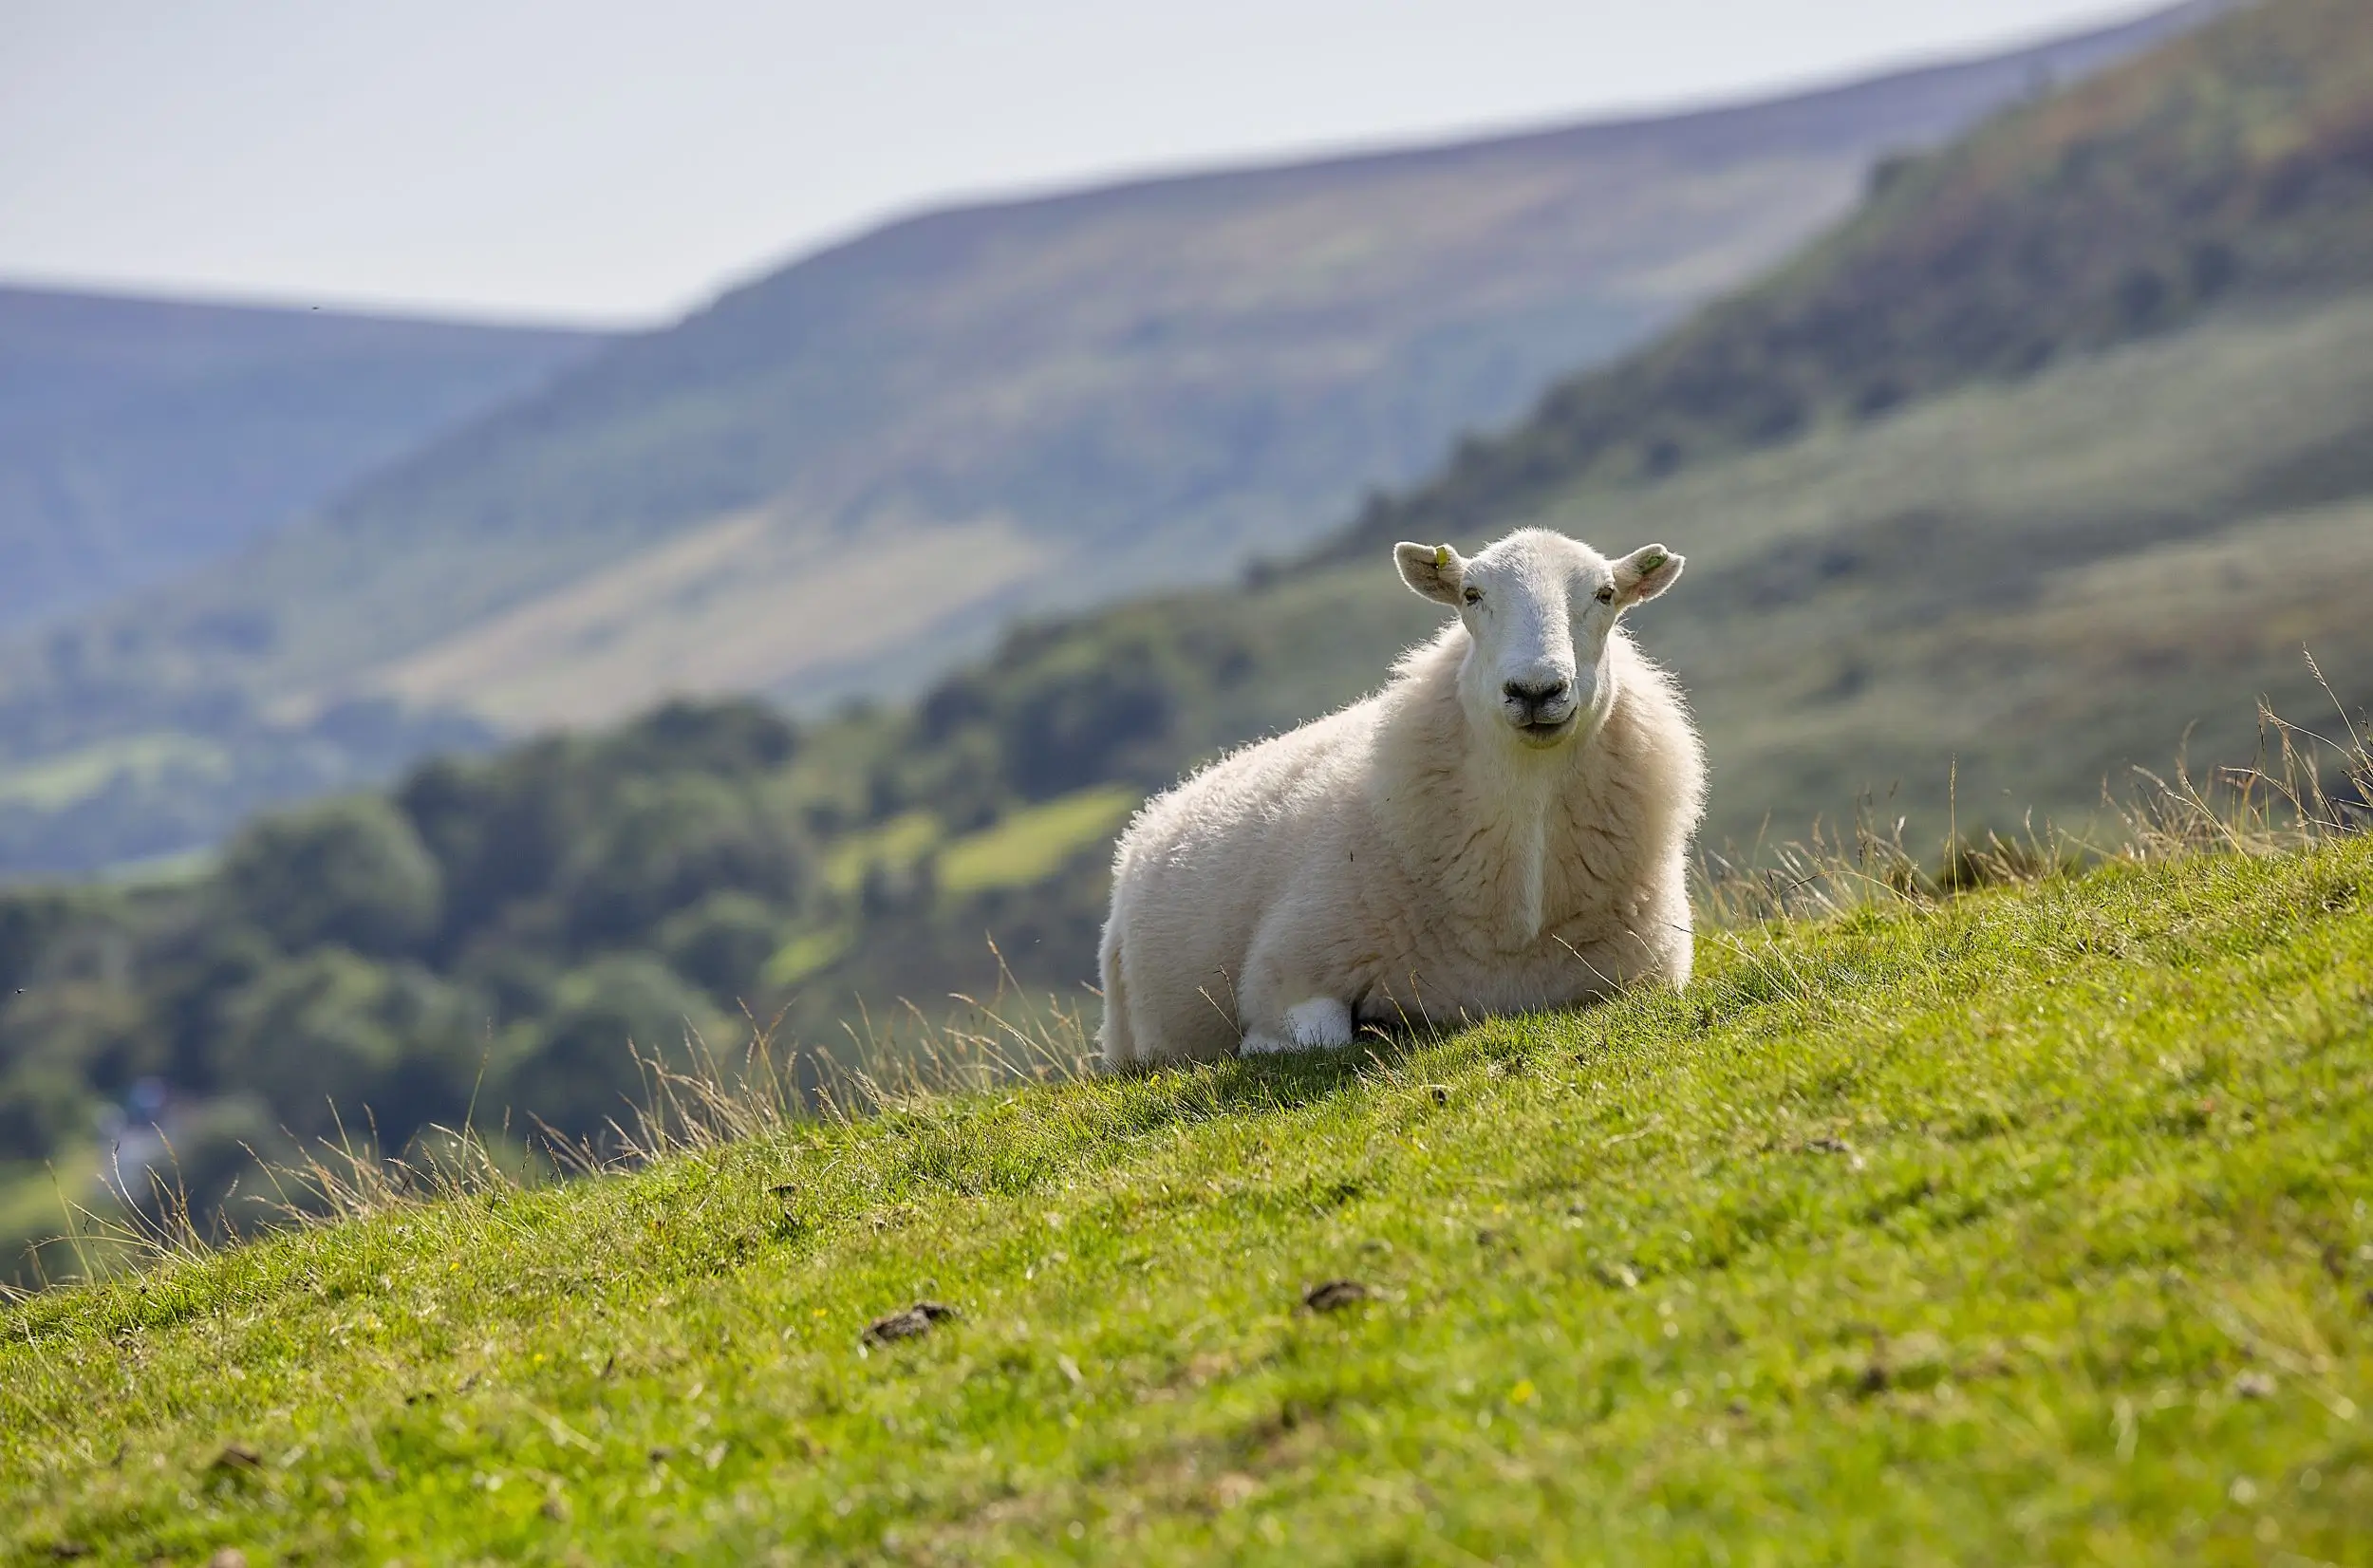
<point x="2233" y="163"/>
<point x="2034" y="1228"/>
<point x="1032" y="404"/>
<point x="142" y="437"/>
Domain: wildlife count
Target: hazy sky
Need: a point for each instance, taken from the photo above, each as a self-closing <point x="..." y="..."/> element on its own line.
<point x="619" y="159"/>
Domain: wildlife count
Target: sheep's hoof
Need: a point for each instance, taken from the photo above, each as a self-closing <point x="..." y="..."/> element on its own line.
<point x="1320" y="1024"/>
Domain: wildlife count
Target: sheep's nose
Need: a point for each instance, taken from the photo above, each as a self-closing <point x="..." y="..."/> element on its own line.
<point x="1536" y="694"/>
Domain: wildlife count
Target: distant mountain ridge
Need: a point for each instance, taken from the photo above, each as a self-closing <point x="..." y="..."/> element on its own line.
<point x="845" y="475"/>
<point x="1085" y="393"/>
<point x="140" y="437"/>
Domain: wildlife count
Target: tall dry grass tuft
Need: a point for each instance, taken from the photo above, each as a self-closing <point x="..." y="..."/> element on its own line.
<point x="1834" y="871"/>
<point x="1008" y="1038"/>
<point x="2303" y="789"/>
<point x="1826" y="873"/>
<point x="702" y="1101"/>
<point x="149" y="1222"/>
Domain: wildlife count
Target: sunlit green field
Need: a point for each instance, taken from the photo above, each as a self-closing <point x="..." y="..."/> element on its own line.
<point x="56" y="781"/>
<point x="1032" y="843"/>
<point x="2032" y="1227"/>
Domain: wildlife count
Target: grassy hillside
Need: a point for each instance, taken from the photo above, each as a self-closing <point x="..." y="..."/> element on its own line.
<point x="1048" y="402"/>
<point x="1991" y="606"/>
<point x="2033" y="1227"/>
<point x="142" y="437"/>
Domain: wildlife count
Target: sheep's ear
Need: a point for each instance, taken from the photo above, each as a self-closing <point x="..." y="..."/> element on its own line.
<point x="1644" y="573"/>
<point x="1432" y="571"/>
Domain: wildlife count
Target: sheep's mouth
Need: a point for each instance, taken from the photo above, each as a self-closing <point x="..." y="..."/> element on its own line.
<point x="1544" y="732"/>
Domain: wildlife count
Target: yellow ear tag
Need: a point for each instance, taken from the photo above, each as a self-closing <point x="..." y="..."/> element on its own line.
<point x="1441" y="555"/>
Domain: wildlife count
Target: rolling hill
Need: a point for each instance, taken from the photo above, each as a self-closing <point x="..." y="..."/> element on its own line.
<point x="140" y="439"/>
<point x="1027" y="405"/>
<point x="2236" y="167"/>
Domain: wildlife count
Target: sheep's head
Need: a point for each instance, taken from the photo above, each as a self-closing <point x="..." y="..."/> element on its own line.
<point x="1538" y="607"/>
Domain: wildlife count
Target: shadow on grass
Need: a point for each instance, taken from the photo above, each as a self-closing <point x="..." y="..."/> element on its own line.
<point x="1150" y="1097"/>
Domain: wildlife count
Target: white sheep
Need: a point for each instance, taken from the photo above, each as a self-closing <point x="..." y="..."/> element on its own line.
<point x="1504" y="827"/>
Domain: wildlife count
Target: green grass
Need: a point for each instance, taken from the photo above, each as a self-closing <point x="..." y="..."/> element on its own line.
<point x="1029" y="844"/>
<point x="176" y="869"/>
<point x="1022" y="847"/>
<point x="2030" y="1228"/>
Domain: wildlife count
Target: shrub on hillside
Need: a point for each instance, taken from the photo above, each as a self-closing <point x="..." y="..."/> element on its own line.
<point x="340" y="1038"/>
<point x="671" y="842"/>
<point x="351" y="872"/>
<point x="722" y="943"/>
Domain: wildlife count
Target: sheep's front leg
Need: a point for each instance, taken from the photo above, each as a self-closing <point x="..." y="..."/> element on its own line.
<point x="1317" y="1025"/>
<point x="1289" y="998"/>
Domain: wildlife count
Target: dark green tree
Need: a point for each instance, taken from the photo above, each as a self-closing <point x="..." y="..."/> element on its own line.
<point x="669" y="843"/>
<point x="351" y="872"/>
<point x="722" y="943"/>
<point x="334" y="1039"/>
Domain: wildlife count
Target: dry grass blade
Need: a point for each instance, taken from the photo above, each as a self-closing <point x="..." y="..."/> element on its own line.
<point x="2304" y="788"/>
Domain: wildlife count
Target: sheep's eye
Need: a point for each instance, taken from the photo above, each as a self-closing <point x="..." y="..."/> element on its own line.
<point x="1606" y="596"/>
<point x="1474" y="596"/>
